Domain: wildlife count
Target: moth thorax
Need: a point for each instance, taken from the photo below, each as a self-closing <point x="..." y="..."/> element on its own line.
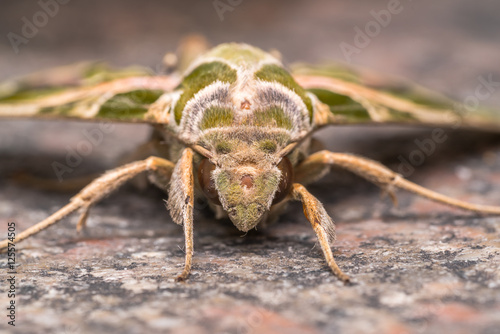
<point x="245" y="105"/>
<point x="243" y="91"/>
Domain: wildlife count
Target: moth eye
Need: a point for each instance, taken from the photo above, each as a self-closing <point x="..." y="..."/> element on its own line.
<point x="207" y="184"/>
<point x="286" y="168"/>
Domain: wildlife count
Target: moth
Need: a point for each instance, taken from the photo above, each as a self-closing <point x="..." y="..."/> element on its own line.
<point x="235" y="128"/>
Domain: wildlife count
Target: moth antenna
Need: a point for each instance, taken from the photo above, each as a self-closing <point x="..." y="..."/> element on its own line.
<point x="287" y="149"/>
<point x="203" y="151"/>
<point x="384" y="177"/>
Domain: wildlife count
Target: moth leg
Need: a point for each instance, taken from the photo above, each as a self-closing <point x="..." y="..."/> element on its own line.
<point x="322" y="225"/>
<point x="385" y="178"/>
<point x="82" y="221"/>
<point x="95" y="191"/>
<point x="392" y="195"/>
<point x="160" y="178"/>
<point x="181" y="202"/>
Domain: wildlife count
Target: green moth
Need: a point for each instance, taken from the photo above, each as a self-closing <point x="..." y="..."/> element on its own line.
<point x="234" y="126"/>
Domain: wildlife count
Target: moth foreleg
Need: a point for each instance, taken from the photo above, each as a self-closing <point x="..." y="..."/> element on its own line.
<point x="181" y="202"/>
<point x="322" y="225"/>
<point x="159" y="176"/>
<point x="97" y="190"/>
<point x="385" y="178"/>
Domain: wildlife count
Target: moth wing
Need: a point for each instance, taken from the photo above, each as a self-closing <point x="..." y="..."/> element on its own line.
<point x="89" y="91"/>
<point x="347" y="96"/>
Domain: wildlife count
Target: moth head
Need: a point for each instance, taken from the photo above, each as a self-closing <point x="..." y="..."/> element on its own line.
<point x="246" y="190"/>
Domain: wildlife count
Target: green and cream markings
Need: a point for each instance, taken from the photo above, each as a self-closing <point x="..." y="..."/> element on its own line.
<point x="237" y="85"/>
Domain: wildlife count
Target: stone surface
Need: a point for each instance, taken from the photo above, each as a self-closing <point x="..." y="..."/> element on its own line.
<point x="417" y="268"/>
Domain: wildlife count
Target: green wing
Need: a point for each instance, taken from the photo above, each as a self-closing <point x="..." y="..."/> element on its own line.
<point x="92" y="91"/>
<point x="349" y="97"/>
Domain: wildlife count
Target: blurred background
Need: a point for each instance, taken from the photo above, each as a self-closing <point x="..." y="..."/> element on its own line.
<point x="426" y="40"/>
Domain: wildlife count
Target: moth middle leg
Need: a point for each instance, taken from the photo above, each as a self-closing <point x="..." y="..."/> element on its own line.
<point x="381" y="176"/>
<point x="322" y="225"/>
<point x="97" y="190"/>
